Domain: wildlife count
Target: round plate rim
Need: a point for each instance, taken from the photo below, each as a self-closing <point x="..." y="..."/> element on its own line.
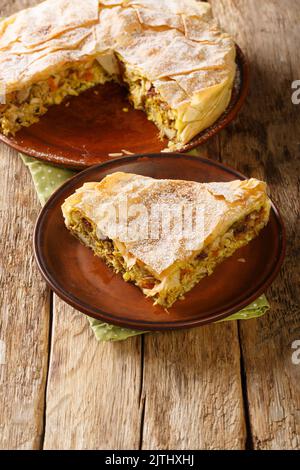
<point x="106" y="317"/>
<point x="223" y="121"/>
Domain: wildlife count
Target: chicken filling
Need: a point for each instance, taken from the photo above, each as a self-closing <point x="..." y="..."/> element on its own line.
<point x="24" y="107"/>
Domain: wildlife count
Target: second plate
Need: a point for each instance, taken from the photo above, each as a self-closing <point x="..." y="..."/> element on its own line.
<point x="85" y="282"/>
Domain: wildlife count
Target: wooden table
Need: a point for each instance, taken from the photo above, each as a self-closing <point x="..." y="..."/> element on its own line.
<point x="227" y="386"/>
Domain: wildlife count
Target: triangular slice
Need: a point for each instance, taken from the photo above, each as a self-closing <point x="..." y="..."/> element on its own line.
<point x="166" y="235"/>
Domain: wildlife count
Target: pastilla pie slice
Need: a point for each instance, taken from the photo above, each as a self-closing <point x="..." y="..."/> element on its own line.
<point x="165" y="235"/>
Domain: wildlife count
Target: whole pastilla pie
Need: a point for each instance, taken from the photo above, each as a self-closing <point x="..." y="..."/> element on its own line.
<point x="166" y="235"/>
<point x="178" y="66"/>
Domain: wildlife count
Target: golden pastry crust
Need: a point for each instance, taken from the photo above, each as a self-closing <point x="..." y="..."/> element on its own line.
<point x="175" y="45"/>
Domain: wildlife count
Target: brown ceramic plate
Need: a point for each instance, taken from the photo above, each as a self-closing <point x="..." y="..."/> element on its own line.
<point x="85" y="282"/>
<point x="94" y="125"/>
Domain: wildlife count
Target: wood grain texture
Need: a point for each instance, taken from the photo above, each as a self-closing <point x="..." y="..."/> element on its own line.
<point x="264" y="143"/>
<point x="24" y="312"/>
<point x="93" y="393"/>
<point x="192" y="390"/>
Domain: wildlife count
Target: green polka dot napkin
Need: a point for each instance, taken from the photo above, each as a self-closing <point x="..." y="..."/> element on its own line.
<point x="47" y="179"/>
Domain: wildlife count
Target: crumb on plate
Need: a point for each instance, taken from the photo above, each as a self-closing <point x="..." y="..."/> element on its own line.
<point x="113" y="155"/>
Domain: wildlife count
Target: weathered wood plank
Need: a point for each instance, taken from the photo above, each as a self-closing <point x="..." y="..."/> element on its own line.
<point x="264" y="142"/>
<point x="192" y="390"/>
<point x="24" y="317"/>
<point x="24" y="305"/>
<point x="93" y="393"/>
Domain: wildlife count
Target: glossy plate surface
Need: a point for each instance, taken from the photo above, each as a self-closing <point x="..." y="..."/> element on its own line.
<point x="93" y="127"/>
<point x="86" y="283"/>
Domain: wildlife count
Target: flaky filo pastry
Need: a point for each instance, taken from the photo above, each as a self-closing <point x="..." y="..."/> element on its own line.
<point x="166" y="261"/>
<point x="178" y="65"/>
